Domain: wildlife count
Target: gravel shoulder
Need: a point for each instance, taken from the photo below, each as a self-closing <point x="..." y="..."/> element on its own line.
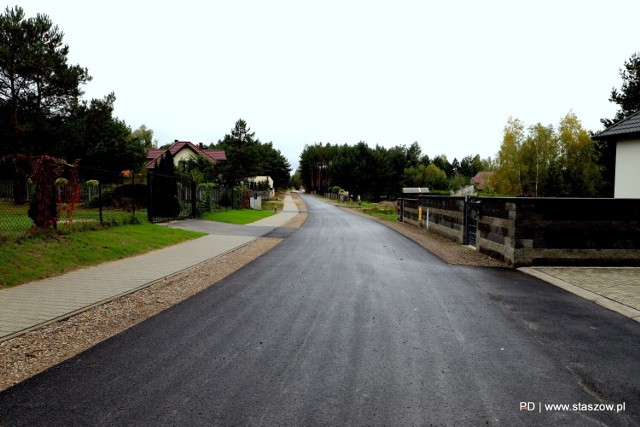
<point x="34" y="352"/>
<point x="445" y="249"/>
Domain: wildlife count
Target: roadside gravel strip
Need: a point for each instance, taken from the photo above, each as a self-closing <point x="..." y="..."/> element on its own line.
<point x="34" y="352"/>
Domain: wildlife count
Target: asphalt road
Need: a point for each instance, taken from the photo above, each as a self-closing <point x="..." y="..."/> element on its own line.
<point x="349" y="323"/>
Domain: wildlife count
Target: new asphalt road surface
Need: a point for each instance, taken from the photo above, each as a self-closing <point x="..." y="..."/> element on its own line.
<point x="348" y="323"/>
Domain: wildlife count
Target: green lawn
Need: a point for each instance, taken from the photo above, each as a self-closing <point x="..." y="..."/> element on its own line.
<point x="40" y="257"/>
<point x="382" y="213"/>
<point x="237" y="216"/>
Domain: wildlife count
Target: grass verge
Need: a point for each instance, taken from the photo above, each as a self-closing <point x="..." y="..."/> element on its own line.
<point x="237" y="216"/>
<point x="385" y="210"/>
<point x="276" y="203"/>
<point x="40" y="257"/>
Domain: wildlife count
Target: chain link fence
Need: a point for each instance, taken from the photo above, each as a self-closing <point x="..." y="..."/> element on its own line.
<point x="115" y="198"/>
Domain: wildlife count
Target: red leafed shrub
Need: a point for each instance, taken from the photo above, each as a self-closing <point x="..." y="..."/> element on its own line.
<point x="68" y="195"/>
<point x="53" y="193"/>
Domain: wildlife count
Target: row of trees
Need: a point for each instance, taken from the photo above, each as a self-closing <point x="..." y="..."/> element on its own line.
<point x="538" y="160"/>
<point x="546" y="161"/>
<point x="440" y="175"/>
<point x="535" y="161"/>
<point x="379" y="172"/>
<point x="564" y="161"/>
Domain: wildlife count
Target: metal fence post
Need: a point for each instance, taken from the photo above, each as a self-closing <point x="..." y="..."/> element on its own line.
<point x="100" y="201"/>
<point x="133" y="197"/>
<point x="150" y="196"/>
<point x="194" y="201"/>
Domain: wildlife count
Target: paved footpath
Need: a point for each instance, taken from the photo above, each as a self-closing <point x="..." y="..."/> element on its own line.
<point x="29" y="306"/>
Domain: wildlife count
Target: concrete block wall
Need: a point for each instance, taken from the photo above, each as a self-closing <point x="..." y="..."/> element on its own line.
<point x="410" y="209"/>
<point x="542" y="231"/>
<point x="445" y="216"/>
<point x="597" y="232"/>
<point x="496" y="234"/>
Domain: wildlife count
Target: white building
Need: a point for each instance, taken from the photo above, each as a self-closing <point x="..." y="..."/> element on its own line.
<point x="626" y="135"/>
<point x="259" y="179"/>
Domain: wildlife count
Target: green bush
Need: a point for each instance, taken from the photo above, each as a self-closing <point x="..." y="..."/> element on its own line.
<point x="205" y="201"/>
<point x="106" y="200"/>
<point x="125" y="195"/>
<point x="226" y="200"/>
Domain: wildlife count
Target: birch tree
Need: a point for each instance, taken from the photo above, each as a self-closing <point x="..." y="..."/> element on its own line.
<point x="509" y="174"/>
<point x="537" y="153"/>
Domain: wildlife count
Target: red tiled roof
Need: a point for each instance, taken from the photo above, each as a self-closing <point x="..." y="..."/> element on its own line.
<point x="481" y="178"/>
<point x="211" y="155"/>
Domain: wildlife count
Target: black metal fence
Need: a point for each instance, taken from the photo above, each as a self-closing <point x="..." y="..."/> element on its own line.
<point x="116" y="198"/>
<point x="178" y="197"/>
<point x="170" y="197"/>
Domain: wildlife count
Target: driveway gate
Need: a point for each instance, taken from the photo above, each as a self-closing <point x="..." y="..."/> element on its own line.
<point x="170" y="197"/>
<point x="472" y="211"/>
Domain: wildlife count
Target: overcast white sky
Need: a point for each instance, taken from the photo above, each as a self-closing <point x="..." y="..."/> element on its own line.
<point x="447" y="74"/>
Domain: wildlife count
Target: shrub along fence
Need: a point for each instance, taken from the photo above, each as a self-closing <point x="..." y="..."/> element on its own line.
<point x="210" y="197"/>
<point x="534" y="231"/>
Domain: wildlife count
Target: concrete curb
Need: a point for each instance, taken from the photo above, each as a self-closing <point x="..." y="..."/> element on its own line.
<point x="602" y="301"/>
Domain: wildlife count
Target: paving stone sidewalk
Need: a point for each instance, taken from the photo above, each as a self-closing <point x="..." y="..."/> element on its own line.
<point x="26" y="307"/>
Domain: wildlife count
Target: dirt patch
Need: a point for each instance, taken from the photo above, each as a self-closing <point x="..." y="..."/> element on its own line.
<point x="445" y="249"/>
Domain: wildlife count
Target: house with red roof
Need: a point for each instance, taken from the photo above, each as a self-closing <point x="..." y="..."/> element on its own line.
<point x="481" y="179"/>
<point x="183" y="150"/>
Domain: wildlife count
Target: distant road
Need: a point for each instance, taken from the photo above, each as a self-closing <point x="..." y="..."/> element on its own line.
<point x="349" y="323"/>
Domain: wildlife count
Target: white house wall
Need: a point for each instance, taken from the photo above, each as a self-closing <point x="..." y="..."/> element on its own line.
<point x="183" y="154"/>
<point x="261" y="178"/>
<point x="627" y="184"/>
